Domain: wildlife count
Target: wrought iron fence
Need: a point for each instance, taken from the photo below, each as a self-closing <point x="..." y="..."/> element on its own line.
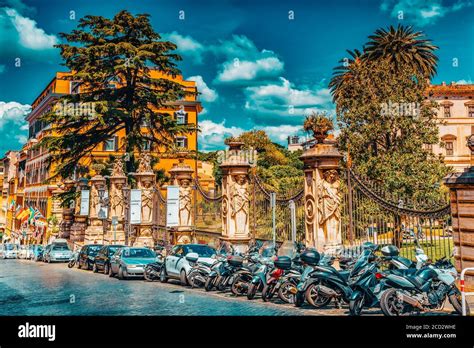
<point x="369" y="213"/>
<point x="207" y="209"/>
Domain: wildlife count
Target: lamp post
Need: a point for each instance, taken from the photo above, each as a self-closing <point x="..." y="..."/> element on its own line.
<point x="104" y="202"/>
<point x="126" y="197"/>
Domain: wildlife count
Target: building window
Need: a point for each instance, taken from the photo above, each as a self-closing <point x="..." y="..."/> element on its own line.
<point x="146" y="146"/>
<point x="75" y="87"/>
<point x="429" y="147"/>
<point x="182" y="142"/>
<point x="449" y="148"/>
<point x="470" y="110"/>
<point x="181" y="117"/>
<point x="110" y="144"/>
<point x="447" y="110"/>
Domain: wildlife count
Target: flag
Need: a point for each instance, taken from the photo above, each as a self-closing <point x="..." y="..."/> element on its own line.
<point x="18" y="208"/>
<point x="41" y="222"/>
<point x="23" y="214"/>
<point x="12" y="204"/>
<point x="38" y="214"/>
<point x="32" y="215"/>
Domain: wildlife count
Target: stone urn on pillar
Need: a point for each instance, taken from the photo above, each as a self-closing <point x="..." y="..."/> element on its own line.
<point x="182" y="176"/>
<point x="118" y="181"/>
<point x="236" y="196"/>
<point x="79" y="226"/>
<point x="461" y="191"/>
<point x="322" y="197"/>
<point x="146" y="183"/>
<point x="95" y="231"/>
<point x="67" y="212"/>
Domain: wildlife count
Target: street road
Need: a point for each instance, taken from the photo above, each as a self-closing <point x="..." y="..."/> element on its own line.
<point x="37" y="288"/>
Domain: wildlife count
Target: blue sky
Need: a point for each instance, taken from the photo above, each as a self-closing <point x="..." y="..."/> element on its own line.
<point x="259" y="64"/>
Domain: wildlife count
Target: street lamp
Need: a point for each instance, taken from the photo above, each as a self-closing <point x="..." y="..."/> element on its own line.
<point x="104" y="205"/>
<point x="126" y="198"/>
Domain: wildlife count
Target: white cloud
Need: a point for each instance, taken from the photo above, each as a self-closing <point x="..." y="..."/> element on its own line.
<point x="207" y="94"/>
<point x="465" y="82"/>
<point x="280" y="134"/>
<point x="30" y="35"/>
<point x="187" y="46"/>
<point x="14" y="112"/>
<point x="213" y="134"/>
<point x="422" y="12"/>
<point x="284" y="99"/>
<point x="236" y="70"/>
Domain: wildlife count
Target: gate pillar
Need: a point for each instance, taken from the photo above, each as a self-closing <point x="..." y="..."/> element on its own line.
<point x="117" y="203"/>
<point x="461" y="191"/>
<point x="94" y="233"/>
<point x="236" y="196"/>
<point x="322" y="197"/>
<point x="182" y="176"/>
<point x="79" y="226"/>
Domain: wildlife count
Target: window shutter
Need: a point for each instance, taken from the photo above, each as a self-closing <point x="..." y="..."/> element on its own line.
<point x="104" y="145"/>
<point x="185" y="142"/>
<point x="186" y="118"/>
<point x="116" y="144"/>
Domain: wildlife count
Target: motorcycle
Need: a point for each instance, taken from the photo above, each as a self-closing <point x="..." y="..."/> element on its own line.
<point x="152" y="270"/>
<point x="221" y="274"/>
<point x="73" y="260"/>
<point x="265" y="265"/>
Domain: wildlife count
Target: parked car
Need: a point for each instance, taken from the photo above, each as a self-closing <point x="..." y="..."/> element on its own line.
<point x="37" y="253"/>
<point x="25" y="251"/>
<point x="57" y="252"/>
<point x="177" y="267"/>
<point x="8" y="251"/>
<point x="130" y="262"/>
<point x="87" y="254"/>
<point x="102" y="259"/>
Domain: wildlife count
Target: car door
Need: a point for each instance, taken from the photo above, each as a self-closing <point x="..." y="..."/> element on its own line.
<point x="115" y="261"/>
<point x="171" y="260"/>
<point x="99" y="258"/>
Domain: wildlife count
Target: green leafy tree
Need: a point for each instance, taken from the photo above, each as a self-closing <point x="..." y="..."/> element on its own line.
<point x="112" y="60"/>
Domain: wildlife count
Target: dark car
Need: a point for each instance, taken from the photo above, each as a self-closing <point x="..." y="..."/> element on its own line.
<point x="102" y="259"/>
<point x="87" y="254"/>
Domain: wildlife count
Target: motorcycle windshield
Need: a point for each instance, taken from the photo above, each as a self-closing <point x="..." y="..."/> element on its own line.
<point x="361" y="261"/>
<point x="225" y="249"/>
<point x="267" y="249"/>
<point x="288" y="248"/>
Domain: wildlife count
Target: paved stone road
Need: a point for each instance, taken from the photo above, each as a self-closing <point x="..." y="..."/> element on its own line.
<point x="29" y="288"/>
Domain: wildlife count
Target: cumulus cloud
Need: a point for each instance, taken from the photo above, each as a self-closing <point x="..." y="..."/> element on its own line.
<point x="422" y="12"/>
<point x="236" y="70"/>
<point x="279" y="134"/>
<point x="30" y="35"/>
<point x="213" y="134"/>
<point x="464" y="82"/>
<point x="206" y="94"/>
<point x="187" y="46"/>
<point x="13" y="126"/>
<point x="283" y="99"/>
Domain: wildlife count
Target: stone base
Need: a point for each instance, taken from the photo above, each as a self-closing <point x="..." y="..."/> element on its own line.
<point x="144" y="242"/>
<point x="78" y="230"/>
<point x="94" y="235"/>
<point x="119" y="237"/>
<point x="182" y="235"/>
<point x="240" y="245"/>
<point x="332" y="249"/>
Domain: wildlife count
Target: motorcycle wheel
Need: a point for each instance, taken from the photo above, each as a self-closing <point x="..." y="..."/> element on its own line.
<point x="235" y="288"/>
<point x="284" y="292"/>
<point x="71" y="264"/>
<point x="316" y="299"/>
<point x="299" y="299"/>
<point x="267" y="292"/>
<point x="252" y="291"/>
<point x="163" y="276"/>
<point x="209" y="284"/>
<point x="456" y="302"/>
<point x="355" y="306"/>
<point x="147" y="276"/>
<point x="191" y="279"/>
<point x="390" y="304"/>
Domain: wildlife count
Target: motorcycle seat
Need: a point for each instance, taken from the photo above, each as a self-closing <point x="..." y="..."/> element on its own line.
<point x="204" y="263"/>
<point x="403" y="272"/>
<point x="406" y="262"/>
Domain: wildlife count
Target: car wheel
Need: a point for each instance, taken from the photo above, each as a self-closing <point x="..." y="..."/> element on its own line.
<point x="163" y="275"/>
<point x="106" y="268"/>
<point x="182" y="278"/>
<point x="94" y="268"/>
<point x="120" y="273"/>
<point x="111" y="273"/>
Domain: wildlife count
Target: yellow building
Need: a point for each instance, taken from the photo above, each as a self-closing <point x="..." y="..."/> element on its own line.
<point x="456" y="115"/>
<point x="39" y="194"/>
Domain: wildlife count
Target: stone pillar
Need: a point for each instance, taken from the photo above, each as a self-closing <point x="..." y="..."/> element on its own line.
<point x="95" y="231"/>
<point x="146" y="183"/>
<point x="79" y="226"/>
<point x="461" y="191"/>
<point x="182" y="176"/>
<point x="236" y="197"/>
<point x="322" y="196"/>
<point x="118" y="181"/>
<point x="67" y="213"/>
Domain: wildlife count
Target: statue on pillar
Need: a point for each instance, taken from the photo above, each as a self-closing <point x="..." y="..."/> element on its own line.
<point x="240" y="202"/>
<point x="117" y="200"/>
<point x="185" y="202"/>
<point x="329" y="202"/>
<point x="147" y="200"/>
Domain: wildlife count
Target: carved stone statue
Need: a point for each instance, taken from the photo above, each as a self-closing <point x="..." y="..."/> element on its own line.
<point x="144" y="165"/>
<point x="329" y="205"/>
<point x="147" y="200"/>
<point x="117" y="200"/>
<point x="185" y="203"/>
<point x="117" y="169"/>
<point x="239" y="202"/>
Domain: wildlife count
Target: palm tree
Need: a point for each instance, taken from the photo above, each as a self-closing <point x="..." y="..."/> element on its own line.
<point x="344" y="72"/>
<point x="402" y="46"/>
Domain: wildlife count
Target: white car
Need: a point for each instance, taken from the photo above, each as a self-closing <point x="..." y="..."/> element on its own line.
<point x="8" y="251"/>
<point x="177" y="267"/>
<point x="25" y="251"/>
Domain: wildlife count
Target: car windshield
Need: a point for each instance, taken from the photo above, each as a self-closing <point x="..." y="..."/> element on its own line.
<point x="201" y="250"/>
<point x="60" y="247"/>
<point x="138" y="252"/>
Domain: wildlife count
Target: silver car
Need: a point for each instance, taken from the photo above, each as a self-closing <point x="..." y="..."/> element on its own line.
<point x="8" y="251"/>
<point x="130" y="262"/>
<point x="57" y="252"/>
